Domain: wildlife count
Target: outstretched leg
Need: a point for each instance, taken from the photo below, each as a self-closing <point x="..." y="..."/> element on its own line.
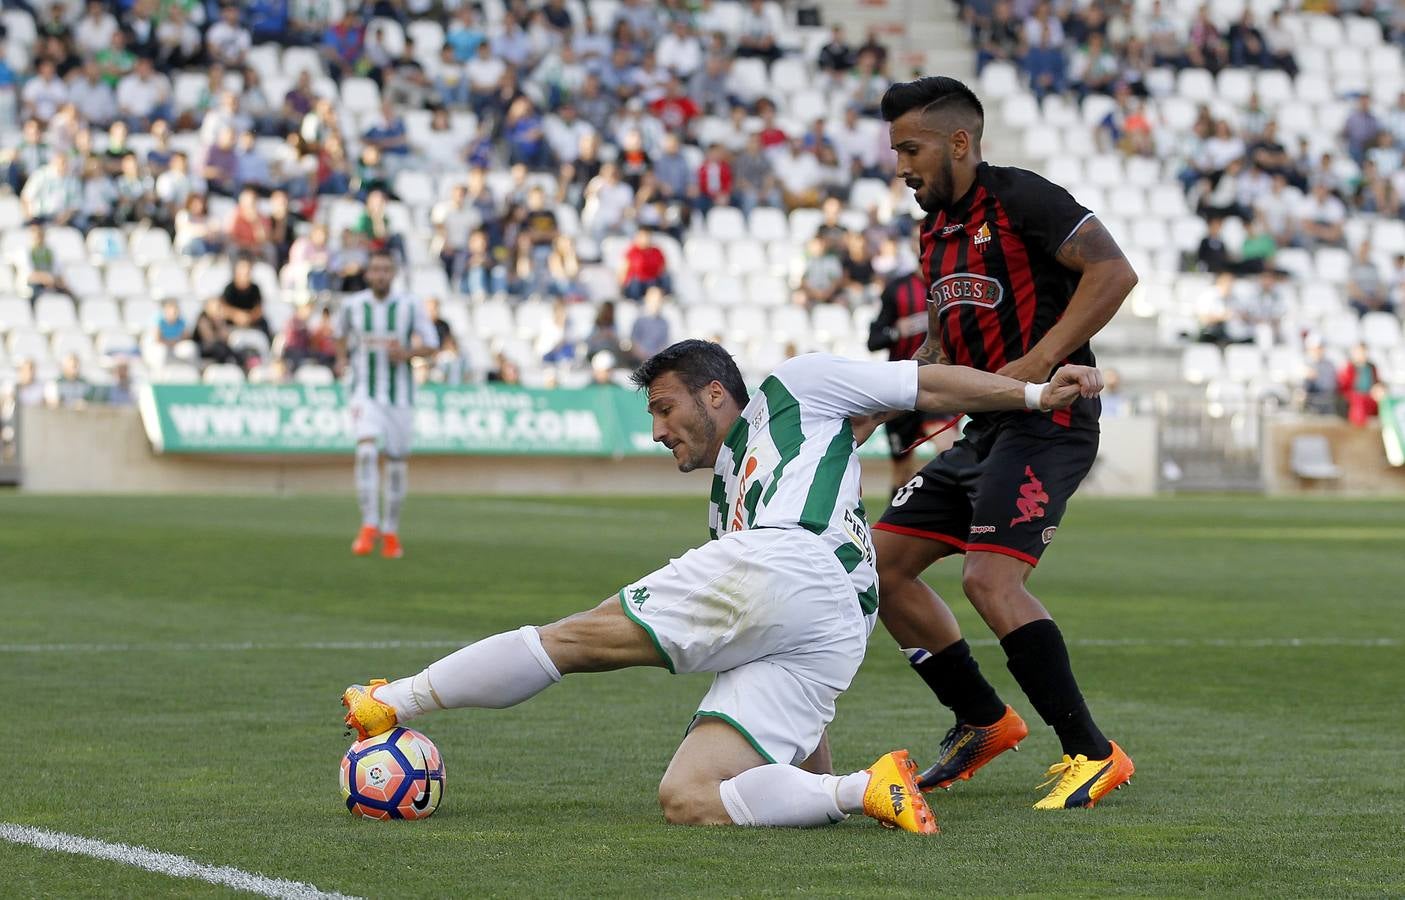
<point x="506" y="669"/>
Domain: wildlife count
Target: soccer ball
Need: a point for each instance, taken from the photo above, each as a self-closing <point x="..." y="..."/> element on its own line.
<point x="396" y="775"/>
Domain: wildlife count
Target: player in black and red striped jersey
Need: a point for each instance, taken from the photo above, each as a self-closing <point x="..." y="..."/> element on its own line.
<point x="901" y="328"/>
<point x="1020" y="276"/>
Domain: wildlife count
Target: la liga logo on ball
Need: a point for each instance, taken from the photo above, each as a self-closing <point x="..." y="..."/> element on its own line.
<point x="396" y="775"/>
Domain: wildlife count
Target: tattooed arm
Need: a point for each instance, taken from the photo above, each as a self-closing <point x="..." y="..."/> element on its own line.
<point x="1106" y="280"/>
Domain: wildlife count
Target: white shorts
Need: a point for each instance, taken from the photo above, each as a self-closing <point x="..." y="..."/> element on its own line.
<point x="391" y="427"/>
<point x="774" y="614"/>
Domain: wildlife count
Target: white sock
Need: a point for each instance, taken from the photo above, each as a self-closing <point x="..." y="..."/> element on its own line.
<point x="497" y="672"/>
<point x="397" y="483"/>
<point x="367" y="484"/>
<point x="786" y="796"/>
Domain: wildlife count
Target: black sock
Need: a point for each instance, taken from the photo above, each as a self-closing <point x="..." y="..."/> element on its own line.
<point x="958" y="683"/>
<point x="1039" y="661"/>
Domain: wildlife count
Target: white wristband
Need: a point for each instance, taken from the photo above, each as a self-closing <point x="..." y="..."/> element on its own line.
<point x="1034" y="395"/>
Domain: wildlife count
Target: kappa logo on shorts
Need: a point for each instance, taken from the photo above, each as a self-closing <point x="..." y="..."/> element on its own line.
<point x="1032" y="499"/>
<point x="639" y="596"/>
<point x="982" y="529"/>
<point x="1048" y="534"/>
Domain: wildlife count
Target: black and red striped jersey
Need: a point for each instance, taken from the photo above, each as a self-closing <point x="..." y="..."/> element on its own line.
<point x="992" y="276"/>
<point x="903" y="309"/>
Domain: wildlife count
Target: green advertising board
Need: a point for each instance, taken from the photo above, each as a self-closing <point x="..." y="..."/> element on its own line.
<point x="459" y="420"/>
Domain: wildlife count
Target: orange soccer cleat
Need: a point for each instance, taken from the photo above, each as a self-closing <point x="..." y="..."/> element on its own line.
<point x="390" y="546"/>
<point x="892" y="796"/>
<point x="365" y="540"/>
<point x="968" y="747"/>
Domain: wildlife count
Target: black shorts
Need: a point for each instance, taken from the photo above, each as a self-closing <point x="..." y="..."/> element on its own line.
<point x="1002" y="488"/>
<point x="906" y="430"/>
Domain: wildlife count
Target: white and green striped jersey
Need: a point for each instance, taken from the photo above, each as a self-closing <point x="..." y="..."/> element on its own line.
<point x="789" y="461"/>
<point x="369" y="326"/>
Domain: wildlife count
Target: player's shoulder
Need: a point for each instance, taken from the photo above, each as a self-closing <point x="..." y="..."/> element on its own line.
<point x="1015" y="181"/>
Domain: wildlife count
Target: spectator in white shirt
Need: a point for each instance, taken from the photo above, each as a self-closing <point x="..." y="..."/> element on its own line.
<point x="94" y="31"/>
<point x="799" y="174"/>
<point x="564" y="132"/>
<point x="1320" y="216"/>
<point x="44" y="93"/>
<point x="756" y="36"/>
<point x="681" y="50"/>
<point x="607" y="197"/>
<point x="143" y="95"/>
<point x="228" y="41"/>
<point x="52" y="194"/>
<point x="94" y="100"/>
<point x="485" y="76"/>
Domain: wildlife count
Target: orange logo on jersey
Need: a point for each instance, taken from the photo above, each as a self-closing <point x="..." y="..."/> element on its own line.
<point x="1032" y="500"/>
<point x="738" y="523"/>
<point x="982" y="237"/>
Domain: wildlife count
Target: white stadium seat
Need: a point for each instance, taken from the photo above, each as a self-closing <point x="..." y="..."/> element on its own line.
<point x="223" y="373"/>
<point x="493" y="318"/>
<point x="314" y="376"/>
<point x="1201" y="363"/>
<point x="99" y="313"/>
<point x="704" y="254"/>
<point x="1380" y="330"/>
<point x="769" y="224"/>
<point x="723" y="288"/>
<point x="725" y="223"/>
<point x="1243" y="362"/>
<point x="54" y="312"/>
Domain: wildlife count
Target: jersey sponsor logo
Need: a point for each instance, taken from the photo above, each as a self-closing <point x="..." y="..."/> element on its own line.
<point x="1032" y="499"/>
<point x="965" y="288"/>
<point x="952" y="229"/>
<point x="739" y="506"/>
<point x="639" y="596"/>
<point x="982" y="237"/>
<point x="857" y="530"/>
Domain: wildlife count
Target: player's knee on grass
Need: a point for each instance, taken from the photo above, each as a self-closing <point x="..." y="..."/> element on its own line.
<point x="689" y="800"/>
<point x="598" y="640"/>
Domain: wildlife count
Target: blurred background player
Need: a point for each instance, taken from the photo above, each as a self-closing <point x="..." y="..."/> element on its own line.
<point x="901" y="328"/>
<point x="379" y="332"/>
<point x="1021" y="276"/>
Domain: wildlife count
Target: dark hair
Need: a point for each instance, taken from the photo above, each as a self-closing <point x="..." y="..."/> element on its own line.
<point x="934" y="93"/>
<point x="381" y="251"/>
<point x="697" y="364"/>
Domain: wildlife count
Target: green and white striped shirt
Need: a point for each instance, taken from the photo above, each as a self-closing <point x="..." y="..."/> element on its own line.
<point x="369" y="326"/>
<point x="790" y="460"/>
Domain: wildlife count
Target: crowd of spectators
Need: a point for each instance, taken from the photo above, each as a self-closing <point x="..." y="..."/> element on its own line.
<point x="608" y="118"/>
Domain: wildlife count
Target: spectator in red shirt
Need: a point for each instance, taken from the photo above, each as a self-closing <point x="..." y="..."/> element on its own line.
<point x="247" y="228"/>
<point x="675" y="109"/>
<point x="643" y="267"/>
<point x="771" y="134"/>
<point x="714" y="179"/>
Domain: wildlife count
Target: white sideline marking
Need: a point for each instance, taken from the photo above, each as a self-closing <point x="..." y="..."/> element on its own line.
<point x="163" y="863"/>
<point x="244" y="646"/>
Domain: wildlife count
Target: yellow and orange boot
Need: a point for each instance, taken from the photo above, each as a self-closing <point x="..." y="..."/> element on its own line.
<point x="1082" y="782"/>
<point x="365" y="541"/>
<point x="892" y="796"/>
<point x="968" y="747"/>
<point x="366" y="715"/>
<point x="390" y="546"/>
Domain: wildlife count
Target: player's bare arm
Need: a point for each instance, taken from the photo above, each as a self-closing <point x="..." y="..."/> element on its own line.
<point x="929" y="354"/>
<point x="1107" y="280"/>
<point x="956" y="388"/>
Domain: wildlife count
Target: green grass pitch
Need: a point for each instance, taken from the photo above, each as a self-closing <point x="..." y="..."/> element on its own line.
<point x="1265" y="765"/>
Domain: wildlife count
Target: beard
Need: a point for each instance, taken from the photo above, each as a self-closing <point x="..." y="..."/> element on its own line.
<point x="700" y="442"/>
<point x="936" y="195"/>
